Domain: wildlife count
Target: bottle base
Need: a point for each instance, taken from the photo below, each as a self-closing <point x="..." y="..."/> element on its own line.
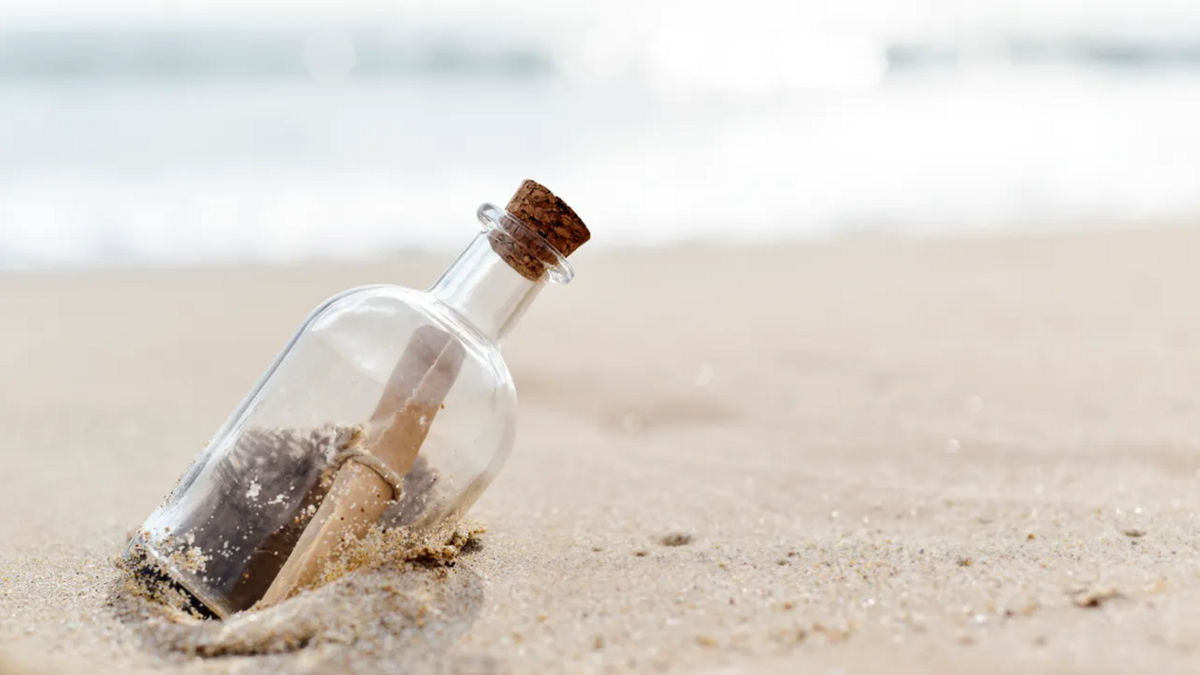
<point x="158" y="577"/>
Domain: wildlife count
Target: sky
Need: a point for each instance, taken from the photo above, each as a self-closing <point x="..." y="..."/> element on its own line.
<point x="906" y="17"/>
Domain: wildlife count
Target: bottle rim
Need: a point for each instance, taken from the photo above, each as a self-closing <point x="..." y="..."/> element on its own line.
<point x="498" y="220"/>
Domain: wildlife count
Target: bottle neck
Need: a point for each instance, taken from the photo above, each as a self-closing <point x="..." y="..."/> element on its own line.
<point x="485" y="290"/>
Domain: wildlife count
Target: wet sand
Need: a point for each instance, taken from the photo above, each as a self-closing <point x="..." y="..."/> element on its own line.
<point x="926" y="456"/>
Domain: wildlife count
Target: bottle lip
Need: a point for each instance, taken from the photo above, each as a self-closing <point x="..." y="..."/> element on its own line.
<point x="496" y="219"/>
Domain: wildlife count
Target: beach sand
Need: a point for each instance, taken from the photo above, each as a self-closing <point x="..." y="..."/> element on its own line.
<point x="865" y="455"/>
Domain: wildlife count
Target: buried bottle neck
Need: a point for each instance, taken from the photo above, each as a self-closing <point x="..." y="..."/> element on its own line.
<point x="495" y="280"/>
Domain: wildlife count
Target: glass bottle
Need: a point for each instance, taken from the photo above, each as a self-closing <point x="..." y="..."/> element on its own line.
<point x="389" y="406"/>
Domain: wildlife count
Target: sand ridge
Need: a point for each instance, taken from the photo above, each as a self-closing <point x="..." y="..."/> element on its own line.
<point x="373" y="605"/>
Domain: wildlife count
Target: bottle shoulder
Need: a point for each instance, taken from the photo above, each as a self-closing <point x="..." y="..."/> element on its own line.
<point x="390" y="313"/>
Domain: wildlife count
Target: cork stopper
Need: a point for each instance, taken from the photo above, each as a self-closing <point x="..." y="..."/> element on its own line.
<point x="550" y="227"/>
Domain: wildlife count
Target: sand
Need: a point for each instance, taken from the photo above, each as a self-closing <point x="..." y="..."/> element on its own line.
<point x="866" y="455"/>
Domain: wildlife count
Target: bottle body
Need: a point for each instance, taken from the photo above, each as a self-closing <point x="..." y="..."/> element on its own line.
<point x="235" y="517"/>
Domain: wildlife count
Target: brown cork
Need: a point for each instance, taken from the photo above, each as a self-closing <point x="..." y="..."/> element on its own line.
<point x="549" y="221"/>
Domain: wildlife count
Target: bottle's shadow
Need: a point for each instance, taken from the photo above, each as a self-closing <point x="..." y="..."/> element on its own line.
<point x="393" y="618"/>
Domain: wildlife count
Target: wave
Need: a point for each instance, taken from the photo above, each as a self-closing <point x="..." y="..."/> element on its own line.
<point x="225" y="55"/>
<point x="1107" y="53"/>
<point x="191" y="55"/>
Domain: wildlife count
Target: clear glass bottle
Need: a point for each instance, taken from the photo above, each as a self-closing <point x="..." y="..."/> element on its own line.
<point x="389" y="406"/>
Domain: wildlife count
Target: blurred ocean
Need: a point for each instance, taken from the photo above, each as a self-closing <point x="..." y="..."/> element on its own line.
<point x="188" y="146"/>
